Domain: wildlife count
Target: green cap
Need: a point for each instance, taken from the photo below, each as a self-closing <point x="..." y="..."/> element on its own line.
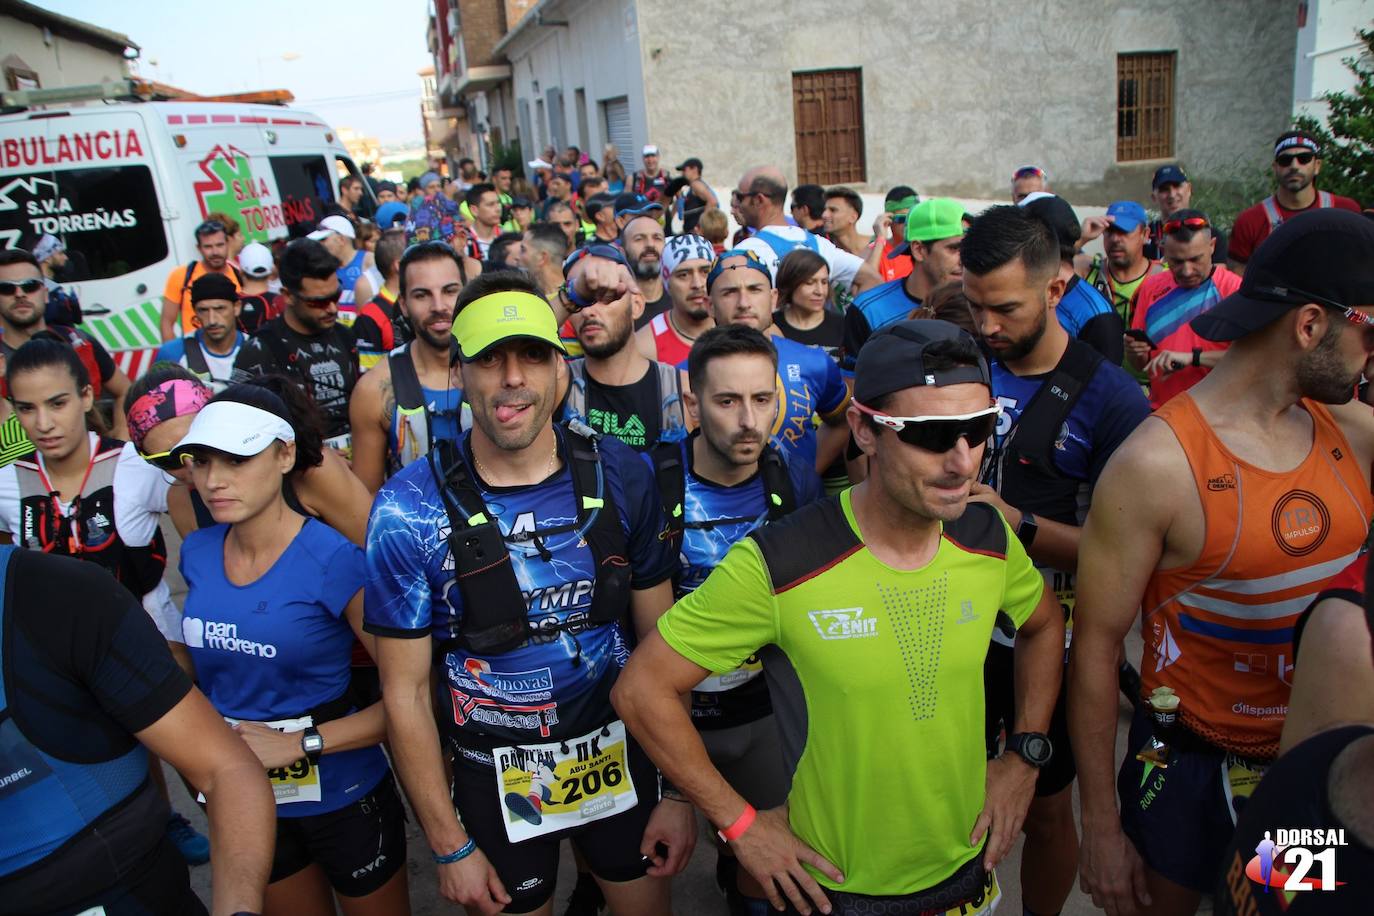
<point x="504" y="316"/>
<point x="935" y="219"/>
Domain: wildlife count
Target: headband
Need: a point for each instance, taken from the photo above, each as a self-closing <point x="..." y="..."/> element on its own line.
<point x="751" y="262"/>
<point x="904" y="203"/>
<point x="1299" y="140"/>
<point x="178" y="397"/>
<point x="681" y="248"/>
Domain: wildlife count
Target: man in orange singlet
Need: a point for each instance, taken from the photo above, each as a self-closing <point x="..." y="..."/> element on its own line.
<point x="1217" y="522"/>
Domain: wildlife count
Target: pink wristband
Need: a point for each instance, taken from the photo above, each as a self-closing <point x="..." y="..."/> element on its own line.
<point x="741" y="824"/>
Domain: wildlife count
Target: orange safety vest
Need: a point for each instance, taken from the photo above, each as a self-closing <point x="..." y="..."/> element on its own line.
<point x="1220" y="631"/>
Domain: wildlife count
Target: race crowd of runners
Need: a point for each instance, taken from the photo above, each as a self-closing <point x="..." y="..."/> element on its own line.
<point x="543" y="509"/>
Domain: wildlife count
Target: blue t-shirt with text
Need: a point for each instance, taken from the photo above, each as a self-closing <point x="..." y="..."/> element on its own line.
<point x="280" y="646"/>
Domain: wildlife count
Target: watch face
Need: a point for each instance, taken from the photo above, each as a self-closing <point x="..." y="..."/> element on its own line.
<point x="1037" y="749"/>
<point x="313" y="744"/>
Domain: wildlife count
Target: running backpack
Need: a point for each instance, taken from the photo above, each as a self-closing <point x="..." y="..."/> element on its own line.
<point x="672" y="424"/>
<point x="670" y="473"/>
<point x="495" y="616"/>
<point x="1026" y="475"/>
<point x="782" y="247"/>
<point x="1271" y="208"/>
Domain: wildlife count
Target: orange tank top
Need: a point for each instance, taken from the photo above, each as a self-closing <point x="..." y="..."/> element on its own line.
<point x="1220" y="631"/>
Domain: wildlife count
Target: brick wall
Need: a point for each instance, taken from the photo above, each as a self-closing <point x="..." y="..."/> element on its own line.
<point x="484" y="23"/>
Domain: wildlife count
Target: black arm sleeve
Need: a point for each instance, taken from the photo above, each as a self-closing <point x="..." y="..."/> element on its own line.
<point x="1103" y="333"/>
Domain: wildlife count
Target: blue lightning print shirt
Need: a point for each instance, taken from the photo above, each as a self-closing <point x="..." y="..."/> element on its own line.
<point x="736" y="697"/>
<point x="705" y="501"/>
<point x="556" y="685"/>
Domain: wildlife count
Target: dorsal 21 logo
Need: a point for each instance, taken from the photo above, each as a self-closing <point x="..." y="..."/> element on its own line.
<point x="1296" y="860"/>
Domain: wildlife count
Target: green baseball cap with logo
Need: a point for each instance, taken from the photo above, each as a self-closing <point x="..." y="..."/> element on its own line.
<point x="932" y="220"/>
<point x="503" y="316"/>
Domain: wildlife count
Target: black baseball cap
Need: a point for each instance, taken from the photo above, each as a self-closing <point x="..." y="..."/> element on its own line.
<point x="1323" y="256"/>
<point x="1055" y="212"/>
<point x="522" y="202"/>
<point x="892" y="359"/>
<point x="596" y="203"/>
<point x="637" y="204"/>
<point x="692" y="163"/>
<point x="1168" y="174"/>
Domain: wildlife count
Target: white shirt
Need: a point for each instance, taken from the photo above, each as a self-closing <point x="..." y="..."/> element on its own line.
<point x="844" y="267"/>
<point x="140" y="492"/>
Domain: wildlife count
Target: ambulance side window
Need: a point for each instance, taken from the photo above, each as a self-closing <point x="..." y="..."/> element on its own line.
<point x="343" y="167"/>
<point x="107" y="218"/>
<point x="305" y="187"/>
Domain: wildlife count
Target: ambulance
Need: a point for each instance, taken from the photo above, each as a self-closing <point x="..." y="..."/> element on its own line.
<point x="123" y="181"/>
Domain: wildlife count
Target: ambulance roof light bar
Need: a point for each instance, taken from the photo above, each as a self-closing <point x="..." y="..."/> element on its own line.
<point x="115" y="90"/>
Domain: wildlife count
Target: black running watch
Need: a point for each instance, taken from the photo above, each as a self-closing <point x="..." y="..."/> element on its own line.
<point x="312" y="744"/>
<point x="1034" y="747"/>
<point x="1027" y="530"/>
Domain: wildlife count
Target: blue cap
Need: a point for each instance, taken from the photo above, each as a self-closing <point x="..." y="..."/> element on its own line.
<point x="1167" y="174"/>
<point x="429" y="178"/>
<point x="1127" y="215"/>
<point x="599" y="250"/>
<point x="389" y="213"/>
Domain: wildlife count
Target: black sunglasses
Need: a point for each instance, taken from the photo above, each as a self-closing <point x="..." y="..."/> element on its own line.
<point x="1286" y="159"/>
<point x="939" y="433"/>
<point x="23" y="286"/>
<point x="318" y="302"/>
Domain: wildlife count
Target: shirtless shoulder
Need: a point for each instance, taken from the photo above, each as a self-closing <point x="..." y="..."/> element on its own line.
<point x="1149" y="481"/>
<point x="374" y="391"/>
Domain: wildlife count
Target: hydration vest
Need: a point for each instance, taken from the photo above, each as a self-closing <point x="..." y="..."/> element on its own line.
<point x="781" y="246"/>
<point x="1027" y="476"/>
<point x="88" y="531"/>
<point x="380" y="309"/>
<point x="670" y="473"/>
<point x="103" y="817"/>
<point x="199" y="366"/>
<point x="672" y="424"/>
<point x="1271" y="208"/>
<point x="495" y="616"/>
<point x="412" y="437"/>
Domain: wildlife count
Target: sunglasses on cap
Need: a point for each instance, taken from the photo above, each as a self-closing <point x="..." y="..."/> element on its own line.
<point x="1286" y="159"/>
<point x="609" y="252"/>
<point x="210" y="227"/>
<point x="1192" y="222"/>
<point x="1028" y="171"/>
<point x="939" y="433"/>
<point x="163" y="461"/>
<point x="1289" y="294"/>
<point x="23" y="286"/>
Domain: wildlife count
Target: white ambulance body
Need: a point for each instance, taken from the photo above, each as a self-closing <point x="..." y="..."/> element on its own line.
<point x="124" y="184"/>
